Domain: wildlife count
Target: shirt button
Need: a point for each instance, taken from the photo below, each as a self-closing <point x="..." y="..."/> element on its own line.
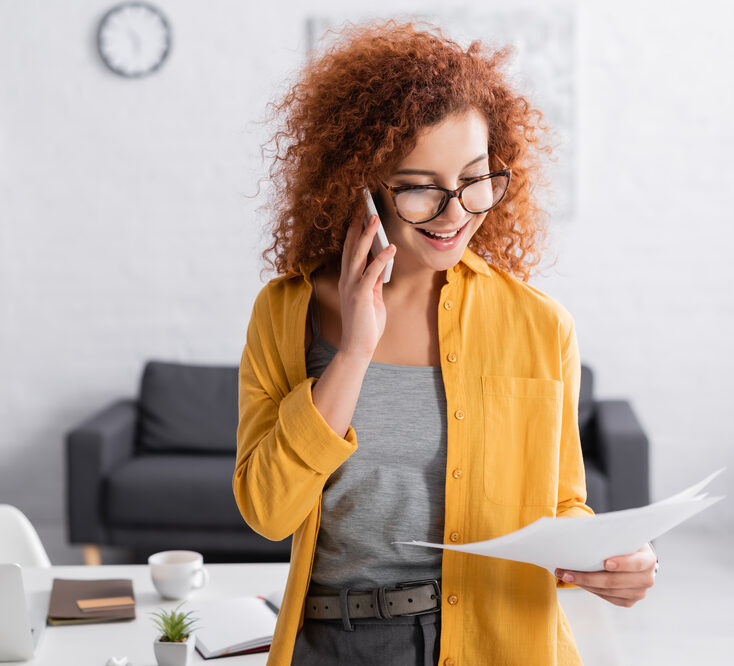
<point x="457" y="473"/>
<point x="459" y="414"/>
<point x="453" y="600"/>
<point x="451" y="357"/>
<point x="454" y="536"/>
<point x="449" y="662"/>
<point x="448" y="304"/>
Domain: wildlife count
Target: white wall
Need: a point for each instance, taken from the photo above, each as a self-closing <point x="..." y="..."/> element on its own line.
<point x="124" y="233"/>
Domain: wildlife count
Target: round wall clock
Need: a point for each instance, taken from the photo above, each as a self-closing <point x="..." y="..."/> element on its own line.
<point x="133" y="39"/>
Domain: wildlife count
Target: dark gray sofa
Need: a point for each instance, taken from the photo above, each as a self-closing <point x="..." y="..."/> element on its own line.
<point x="616" y="451"/>
<point x="155" y="473"/>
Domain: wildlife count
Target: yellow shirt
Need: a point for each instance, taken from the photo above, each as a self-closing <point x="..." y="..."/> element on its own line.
<point x="511" y="372"/>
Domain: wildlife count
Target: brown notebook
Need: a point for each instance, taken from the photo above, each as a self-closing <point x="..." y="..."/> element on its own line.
<point x="106" y="600"/>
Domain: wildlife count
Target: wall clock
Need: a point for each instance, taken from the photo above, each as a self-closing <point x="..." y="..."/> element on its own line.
<point x="133" y="39"/>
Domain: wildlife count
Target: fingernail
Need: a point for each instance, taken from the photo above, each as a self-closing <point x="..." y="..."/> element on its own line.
<point x="558" y="573"/>
<point x="374" y="219"/>
<point x="568" y="577"/>
<point x="611" y="564"/>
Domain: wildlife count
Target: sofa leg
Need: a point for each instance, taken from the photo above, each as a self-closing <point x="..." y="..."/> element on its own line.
<point x="92" y="555"/>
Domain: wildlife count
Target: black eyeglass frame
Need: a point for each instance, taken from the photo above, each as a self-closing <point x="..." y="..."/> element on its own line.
<point x="394" y="190"/>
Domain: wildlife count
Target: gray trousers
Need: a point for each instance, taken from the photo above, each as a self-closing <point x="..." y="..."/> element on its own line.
<point x="398" y="641"/>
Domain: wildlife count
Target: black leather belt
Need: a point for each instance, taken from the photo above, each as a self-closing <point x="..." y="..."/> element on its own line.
<point x="412" y="598"/>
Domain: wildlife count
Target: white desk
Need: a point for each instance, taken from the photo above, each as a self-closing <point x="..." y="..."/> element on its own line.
<point x="93" y="644"/>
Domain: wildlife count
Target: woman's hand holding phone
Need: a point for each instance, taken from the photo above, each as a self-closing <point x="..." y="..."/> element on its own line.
<point x="337" y="390"/>
<point x="360" y="291"/>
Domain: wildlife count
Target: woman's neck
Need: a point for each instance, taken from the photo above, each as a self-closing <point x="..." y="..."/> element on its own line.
<point x="406" y="285"/>
<point x="409" y="284"/>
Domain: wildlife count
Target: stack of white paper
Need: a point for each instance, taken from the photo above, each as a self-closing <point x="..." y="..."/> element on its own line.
<point x="583" y="543"/>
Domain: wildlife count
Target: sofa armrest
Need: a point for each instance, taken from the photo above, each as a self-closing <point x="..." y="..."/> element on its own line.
<point x="624" y="453"/>
<point x="92" y="450"/>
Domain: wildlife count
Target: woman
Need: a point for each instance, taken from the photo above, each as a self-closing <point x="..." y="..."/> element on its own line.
<point x="441" y="405"/>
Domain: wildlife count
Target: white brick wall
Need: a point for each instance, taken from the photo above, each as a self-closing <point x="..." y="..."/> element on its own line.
<point x="124" y="234"/>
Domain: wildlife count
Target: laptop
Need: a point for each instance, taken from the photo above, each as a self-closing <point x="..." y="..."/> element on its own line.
<point x="21" y="623"/>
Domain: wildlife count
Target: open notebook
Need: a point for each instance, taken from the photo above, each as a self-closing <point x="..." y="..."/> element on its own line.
<point x="238" y="625"/>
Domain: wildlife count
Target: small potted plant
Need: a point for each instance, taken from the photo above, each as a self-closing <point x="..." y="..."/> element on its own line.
<point x="175" y="644"/>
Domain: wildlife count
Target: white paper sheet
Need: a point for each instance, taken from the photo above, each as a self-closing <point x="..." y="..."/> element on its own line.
<point x="583" y="543"/>
<point x="230" y="625"/>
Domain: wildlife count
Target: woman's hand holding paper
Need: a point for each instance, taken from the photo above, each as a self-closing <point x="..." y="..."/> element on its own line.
<point x="625" y="581"/>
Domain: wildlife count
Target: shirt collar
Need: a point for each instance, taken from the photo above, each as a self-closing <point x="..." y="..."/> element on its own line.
<point x="470" y="259"/>
<point x="475" y="262"/>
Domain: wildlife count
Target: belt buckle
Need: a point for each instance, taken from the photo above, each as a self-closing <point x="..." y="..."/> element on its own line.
<point x="417" y="583"/>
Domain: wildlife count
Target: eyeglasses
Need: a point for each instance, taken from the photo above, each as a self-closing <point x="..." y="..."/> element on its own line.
<point x="417" y="204"/>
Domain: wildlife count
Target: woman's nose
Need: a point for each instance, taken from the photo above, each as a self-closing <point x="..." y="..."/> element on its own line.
<point x="453" y="213"/>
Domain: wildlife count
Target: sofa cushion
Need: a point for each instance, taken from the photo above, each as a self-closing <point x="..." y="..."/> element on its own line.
<point x="188" y="408"/>
<point x="173" y="490"/>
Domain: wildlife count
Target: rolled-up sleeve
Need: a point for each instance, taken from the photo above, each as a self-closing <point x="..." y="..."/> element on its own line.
<point x="285" y="448"/>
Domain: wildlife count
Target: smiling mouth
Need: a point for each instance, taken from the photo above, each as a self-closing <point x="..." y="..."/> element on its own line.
<point x="443" y="236"/>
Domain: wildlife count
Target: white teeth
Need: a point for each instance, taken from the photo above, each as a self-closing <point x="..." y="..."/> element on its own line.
<point x="442" y="236"/>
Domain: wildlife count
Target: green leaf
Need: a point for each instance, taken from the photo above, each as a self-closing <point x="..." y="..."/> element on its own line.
<point x="173" y="624"/>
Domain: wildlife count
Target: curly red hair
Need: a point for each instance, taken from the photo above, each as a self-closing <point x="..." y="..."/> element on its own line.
<point x="356" y="111"/>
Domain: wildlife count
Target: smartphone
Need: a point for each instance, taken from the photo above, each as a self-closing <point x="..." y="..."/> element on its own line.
<point x="379" y="242"/>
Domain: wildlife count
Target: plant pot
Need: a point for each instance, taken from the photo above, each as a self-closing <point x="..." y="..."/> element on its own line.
<point x="173" y="654"/>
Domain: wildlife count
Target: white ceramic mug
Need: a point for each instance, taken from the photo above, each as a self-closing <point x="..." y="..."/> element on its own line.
<point x="177" y="573"/>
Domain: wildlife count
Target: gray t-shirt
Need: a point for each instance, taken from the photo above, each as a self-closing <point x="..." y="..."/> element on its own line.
<point x="392" y="487"/>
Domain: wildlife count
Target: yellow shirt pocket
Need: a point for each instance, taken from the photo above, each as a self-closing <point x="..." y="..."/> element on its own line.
<point x="522" y="432"/>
